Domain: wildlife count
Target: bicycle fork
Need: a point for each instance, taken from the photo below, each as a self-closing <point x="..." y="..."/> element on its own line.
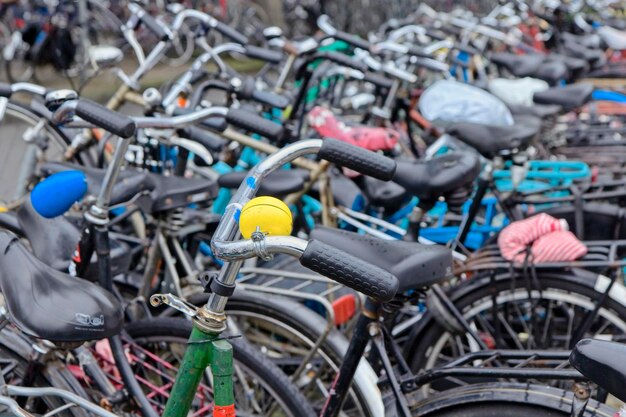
<point x="206" y="348"/>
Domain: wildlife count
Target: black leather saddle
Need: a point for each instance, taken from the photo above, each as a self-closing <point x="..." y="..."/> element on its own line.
<point x="51" y="305"/>
<point x="552" y="72"/>
<point x="166" y="192"/>
<point x="568" y="97"/>
<point x="277" y="184"/>
<point x="535" y="65"/>
<point x="492" y="140"/>
<point x="53" y="241"/>
<point x="542" y="111"/>
<point x="602" y="362"/>
<point x="384" y="194"/>
<point x="576" y="67"/>
<point x="595" y="57"/>
<point x="415" y="265"/>
<point x="434" y="178"/>
<point x="518" y="65"/>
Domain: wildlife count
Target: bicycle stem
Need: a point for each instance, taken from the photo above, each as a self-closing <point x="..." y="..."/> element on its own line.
<point x="228" y="228"/>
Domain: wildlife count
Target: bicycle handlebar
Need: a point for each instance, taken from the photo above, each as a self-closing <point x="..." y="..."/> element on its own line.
<point x="98" y="115"/>
<point x="7" y="90"/>
<point x="323" y="22"/>
<point x="349" y="270"/>
<point x="358" y="159"/>
<point x="229" y="32"/>
<point x="322" y="258"/>
<point x="161" y="30"/>
<point x="254" y="123"/>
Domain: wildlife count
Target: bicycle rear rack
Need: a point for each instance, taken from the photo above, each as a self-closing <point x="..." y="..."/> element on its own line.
<point x="509" y="364"/>
<point x="601" y="254"/>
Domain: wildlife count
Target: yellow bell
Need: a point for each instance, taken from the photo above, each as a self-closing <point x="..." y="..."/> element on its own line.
<point x="269" y="214"/>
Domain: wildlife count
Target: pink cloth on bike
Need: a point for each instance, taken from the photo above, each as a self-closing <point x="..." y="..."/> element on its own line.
<point x="559" y="246"/>
<point x="324" y="122"/>
<point x="548" y="239"/>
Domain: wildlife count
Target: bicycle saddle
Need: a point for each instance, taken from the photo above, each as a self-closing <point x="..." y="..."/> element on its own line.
<point x="492" y="140"/>
<point x="166" y="192"/>
<point x="53" y="241"/>
<point x="385" y="194"/>
<point x="277" y="184"/>
<point x="576" y="67"/>
<point x="602" y="362"/>
<point x="415" y="265"/>
<point x="51" y="305"/>
<point x="595" y="57"/>
<point x="541" y="111"/>
<point x="171" y="192"/>
<point x="129" y="182"/>
<point x="518" y="65"/>
<point x="434" y="178"/>
<point x="536" y="66"/>
<point x="552" y="72"/>
<point x="568" y="97"/>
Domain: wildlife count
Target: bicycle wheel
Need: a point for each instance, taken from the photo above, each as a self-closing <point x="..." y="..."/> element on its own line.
<point x="156" y="347"/>
<point x="545" y="318"/>
<point x="506" y="400"/>
<point x="15" y="354"/>
<point x="103" y="26"/>
<point x="26" y="140"/>
<point x="286" y="331"/>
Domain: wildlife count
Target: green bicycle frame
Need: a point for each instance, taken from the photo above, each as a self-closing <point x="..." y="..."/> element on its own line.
<point x="205" y="349"/>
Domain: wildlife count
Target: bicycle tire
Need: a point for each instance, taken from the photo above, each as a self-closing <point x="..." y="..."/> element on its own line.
<point x="23" y="74"/>
<point x="506" y="400"/>
<point x="577" y="286"/>
<point x="165" y="329"/>
<point x="27" y="118"/>
<point x="302" y="324"/>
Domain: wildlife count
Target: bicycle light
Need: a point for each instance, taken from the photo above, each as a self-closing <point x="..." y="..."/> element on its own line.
<point x="267" y="214"/>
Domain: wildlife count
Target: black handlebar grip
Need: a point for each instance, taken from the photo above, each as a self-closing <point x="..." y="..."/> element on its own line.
<point x="349" y="271"/>
<point x="267" y="55"/>
<point x="352" y="40"/>
<point x="358" y="159"/>
<point x="204" y="138"/>
<point x="231" y="33"/>
<point x="155" y="26"/>
<point x="109" y="120"/>
<point x="6" y="90"/>
<point x="254" y="123"/>
<point x="378" y="80"/>
<point x="270" y="99"/>
<point x="342" y="59"/>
